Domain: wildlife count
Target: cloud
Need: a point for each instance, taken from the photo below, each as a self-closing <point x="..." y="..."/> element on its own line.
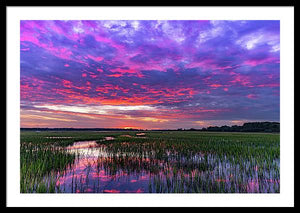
<point x="187" y="70"/>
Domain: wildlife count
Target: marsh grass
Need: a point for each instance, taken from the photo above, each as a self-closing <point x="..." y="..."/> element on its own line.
<point x="173" y="161"/>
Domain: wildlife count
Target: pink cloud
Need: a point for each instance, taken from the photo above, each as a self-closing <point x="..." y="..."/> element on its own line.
<point x="252" y="96"/>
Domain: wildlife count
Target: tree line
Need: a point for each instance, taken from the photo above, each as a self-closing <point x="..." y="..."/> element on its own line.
<point x="246" y="127"/>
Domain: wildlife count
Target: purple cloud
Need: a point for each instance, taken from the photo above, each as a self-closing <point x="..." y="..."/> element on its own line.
<point x="187" y="71"/>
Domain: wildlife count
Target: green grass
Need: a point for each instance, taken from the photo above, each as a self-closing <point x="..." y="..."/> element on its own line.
<point x="227" y="162"/>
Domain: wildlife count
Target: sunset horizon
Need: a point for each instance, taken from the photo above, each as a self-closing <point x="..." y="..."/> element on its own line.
<point x="148" y="74"/>
<point x="146" y="129"/>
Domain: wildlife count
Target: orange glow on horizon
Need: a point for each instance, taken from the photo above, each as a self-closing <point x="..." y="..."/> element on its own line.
<point x="130" y="127"/>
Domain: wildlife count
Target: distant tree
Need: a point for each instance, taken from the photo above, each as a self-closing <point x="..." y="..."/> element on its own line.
<point x="247" y="127"/>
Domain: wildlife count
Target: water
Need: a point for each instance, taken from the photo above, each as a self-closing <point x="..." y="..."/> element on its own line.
<point x="89" y="174"/>
<point x="97" y="170"/>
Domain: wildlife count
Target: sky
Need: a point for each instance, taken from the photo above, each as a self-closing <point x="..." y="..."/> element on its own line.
<point x="148" y="74"/>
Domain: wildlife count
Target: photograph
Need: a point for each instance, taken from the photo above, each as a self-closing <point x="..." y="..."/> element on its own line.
<point x="150" y="107"/>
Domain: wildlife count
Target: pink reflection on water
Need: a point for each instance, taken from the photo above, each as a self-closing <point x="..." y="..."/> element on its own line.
<point x="253" y="186"/>
<point x="82" y="144"/>
<point x="89" y="190"/>
<point x="139" y="191"/>
<point x="109" y="138"/>
<point x="91" y="171"/>
<point x="101" y="175"/>
<point x="140" y="134"/>
<point x="222" y="180"/>
<point x="135" y="191"/>
<point x="143" y="177"/>
<point x="111" y="191"/>
<point x="94" y="170"/>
